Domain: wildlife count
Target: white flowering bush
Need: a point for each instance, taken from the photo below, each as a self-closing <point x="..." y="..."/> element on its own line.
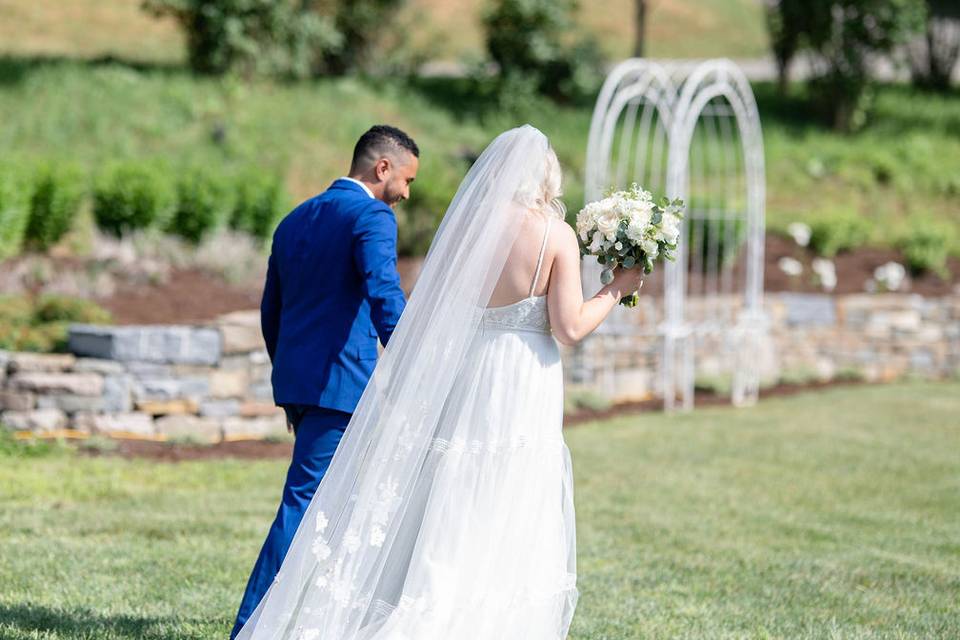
<point x="628" y="229"/>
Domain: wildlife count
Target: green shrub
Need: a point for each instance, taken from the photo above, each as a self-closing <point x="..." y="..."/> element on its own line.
<point x="57" y="195"/>
<point x="42" y="325"/>
<point x="260" y="202"/>
<point x="585" y="399"/>
<point x="838" y="231"/>
<point x="15" y="310"/>
<point x="716" y="385"/>
<point x="927" y="245"/>
<point x="799" y="377"/>
<point x="14" y="209"/>
<point x="531" y="38"/>
<point x="268" y="37"/>
<point x="359" y="24"/>
<point x="203" y="204"/>
<point x="131" y="196"/>
<point x="57" y="308"/>
<point x="849" y="374"/>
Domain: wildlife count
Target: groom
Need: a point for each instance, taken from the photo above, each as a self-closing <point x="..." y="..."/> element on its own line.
<point x="332" y="289"/>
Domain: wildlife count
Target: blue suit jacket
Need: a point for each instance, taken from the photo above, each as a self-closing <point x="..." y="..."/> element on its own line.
<point x="332" y="289"/>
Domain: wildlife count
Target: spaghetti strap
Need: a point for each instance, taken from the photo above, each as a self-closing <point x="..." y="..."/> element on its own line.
<point x="543" y="249"/>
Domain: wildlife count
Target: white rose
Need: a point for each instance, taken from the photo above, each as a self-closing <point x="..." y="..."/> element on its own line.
<point x="640" y="212"/>
<point x="670" y="229"/>
<point x="586" y="221"/>
<point x="596" y="243"/>
<point x="650" y="247"/>
<point x="608" y="223"/>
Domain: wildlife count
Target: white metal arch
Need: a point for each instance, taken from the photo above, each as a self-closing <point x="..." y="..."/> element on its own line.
<point x="712" y="130"/>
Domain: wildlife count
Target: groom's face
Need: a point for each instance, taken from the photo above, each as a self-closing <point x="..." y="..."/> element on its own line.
<point x="396" y="174"/>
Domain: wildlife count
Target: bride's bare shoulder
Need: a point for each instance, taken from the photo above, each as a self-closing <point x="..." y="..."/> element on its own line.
<point x="566" y="237"/>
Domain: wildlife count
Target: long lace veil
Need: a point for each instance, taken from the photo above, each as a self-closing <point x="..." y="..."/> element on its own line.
<point x="346" y="566"/>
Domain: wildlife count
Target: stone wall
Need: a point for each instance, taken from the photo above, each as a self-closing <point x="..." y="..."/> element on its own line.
<point x="875" y="337"/>
<point x="213" y="382"/>
<point x="205" y="383"/>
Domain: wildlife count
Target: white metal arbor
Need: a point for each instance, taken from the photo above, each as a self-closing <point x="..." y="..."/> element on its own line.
<point x="691" y="132"/>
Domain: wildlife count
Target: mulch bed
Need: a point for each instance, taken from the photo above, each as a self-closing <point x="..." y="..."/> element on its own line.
<point x="181" y="452"/>
<point x="188" y="296"/>
<point x="196" y="296"/>
<point x="266" y="450"/>
<point x="854" y="269"/>
<point x="701" y="399"/>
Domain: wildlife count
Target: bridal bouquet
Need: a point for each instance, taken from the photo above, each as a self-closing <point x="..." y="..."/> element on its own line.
<point x="629" y="229"/>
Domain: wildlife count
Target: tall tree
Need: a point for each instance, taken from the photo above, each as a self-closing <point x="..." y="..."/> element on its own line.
<point x="640" y="28"/>
<point x="934" y="55"/>
<point x="844" y="36"/>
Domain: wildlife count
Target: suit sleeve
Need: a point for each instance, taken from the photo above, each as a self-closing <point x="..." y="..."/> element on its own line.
<point x="270" y="306"/>
<point x="375" y="255"/>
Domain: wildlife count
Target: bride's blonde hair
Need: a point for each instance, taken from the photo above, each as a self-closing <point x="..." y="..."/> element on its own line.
<point x="543" y="194"/>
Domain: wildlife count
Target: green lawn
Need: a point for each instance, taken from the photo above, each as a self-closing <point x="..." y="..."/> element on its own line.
<point x="831" y="515"/>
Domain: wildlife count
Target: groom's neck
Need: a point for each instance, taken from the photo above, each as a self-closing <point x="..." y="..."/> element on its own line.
<point x="375" y="187"/>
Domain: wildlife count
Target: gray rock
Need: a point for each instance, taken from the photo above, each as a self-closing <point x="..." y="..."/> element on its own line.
<point x="47" y="362"/>
<point x="922" y="360"/>
<point x="805" y="309"/>
<point x="219" y="408"/>
<point x="163" y="388"/>
<point x="117" y="394"/>
<point x="241" y="332"/>
<point x="95" y="365"/>
<point x="17" y="401"/>
<point x="70" y="403"/>
<point x="36" y="420"/>
<point x="240" y="428"/>
<point x="81" y="384"/>
<point x="173" y="344"/>
<point x="115" y="423"/>
<point x="4" y="361"/>
<point x="262" y="391"/>
<point x="149" y="369"/>
<point x="187" y="426"/>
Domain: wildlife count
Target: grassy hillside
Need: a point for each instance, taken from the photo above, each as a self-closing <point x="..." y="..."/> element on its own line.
<point x="900" y="168"/>
<point x="829" y="515"/>
<point x="447" y="29"/>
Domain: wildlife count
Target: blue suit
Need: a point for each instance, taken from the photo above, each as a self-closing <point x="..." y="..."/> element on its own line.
<point x="332" y="289"/>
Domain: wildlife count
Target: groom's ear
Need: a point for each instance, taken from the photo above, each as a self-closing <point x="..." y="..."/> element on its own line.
<point x="382" y="168"/>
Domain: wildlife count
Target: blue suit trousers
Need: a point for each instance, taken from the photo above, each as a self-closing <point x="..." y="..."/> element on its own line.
<point x="318" y="432"/>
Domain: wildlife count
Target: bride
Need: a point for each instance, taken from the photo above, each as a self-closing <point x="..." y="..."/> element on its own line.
<point x="447" y="511"/>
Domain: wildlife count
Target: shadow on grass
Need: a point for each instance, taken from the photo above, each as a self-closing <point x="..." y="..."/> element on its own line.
<point x="33" y="620"/>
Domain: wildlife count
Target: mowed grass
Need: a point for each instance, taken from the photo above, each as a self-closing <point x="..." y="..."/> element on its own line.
<point x="830" y="515"/>
<point x="443" y="29"/>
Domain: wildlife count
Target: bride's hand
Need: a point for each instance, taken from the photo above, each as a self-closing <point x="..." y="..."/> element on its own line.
<point x="626" y="281"/>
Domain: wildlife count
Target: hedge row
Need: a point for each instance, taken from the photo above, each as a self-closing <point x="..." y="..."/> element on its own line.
<point x="39" y="204"/>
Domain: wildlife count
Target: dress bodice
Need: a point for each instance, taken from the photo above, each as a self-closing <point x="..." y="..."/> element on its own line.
<point x="529" y="314"/>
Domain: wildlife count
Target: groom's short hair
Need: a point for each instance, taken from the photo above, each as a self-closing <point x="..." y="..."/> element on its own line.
<point x="381" y="140"/>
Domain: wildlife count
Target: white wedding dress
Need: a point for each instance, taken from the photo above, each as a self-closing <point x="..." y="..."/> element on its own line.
<point x="447" y="511"/>
<point x="498" y="558"/>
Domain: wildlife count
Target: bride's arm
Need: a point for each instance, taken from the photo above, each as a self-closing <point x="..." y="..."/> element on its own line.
<point x="571" y="317"/>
